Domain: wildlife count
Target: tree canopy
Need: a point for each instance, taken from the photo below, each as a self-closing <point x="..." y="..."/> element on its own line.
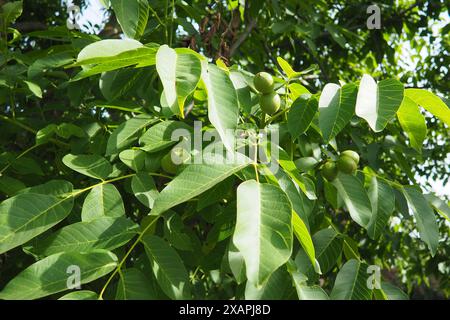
<point x="358" y="131"/>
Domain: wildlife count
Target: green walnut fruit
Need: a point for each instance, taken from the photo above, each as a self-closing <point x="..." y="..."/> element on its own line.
<point x="347" y="165"/>
<point x="263" y="82"/>
<point x="329" y="170"/>
<point x="270" y="102"/>
<point x="167" y="164"/>
<point x="352" y="154"/>
<point x="171" y="161"/>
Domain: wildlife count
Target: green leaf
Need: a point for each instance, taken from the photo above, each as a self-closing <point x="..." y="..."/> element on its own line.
<point x="223" y="105"/>
<point x="105" y="49"/>
<point x="425" y="218"/>
<point x="299" y="201"/>
<point x="194" y="180"/>
<point x="167" y="267"/>
<point x="301" y="114"/>
<point x="355" y="197"/>
<point x="303" y="182"/>
<point x="413" y="122"/>
<point x="80" y="295"/>
<point x="127" y="133"/>
<point x="241" y="82"/>
<point x="392" y="292"/>
<point x="25" y="216"/>
<point x="52" y="274"/>
<point x="336" y="108"/>
<point x="378" y="103"/>
<point x="97" y="57"/>
<point x="275" y="288"/>
<point x="102" y="233"/>
<point x="132" y="16"/>
<point x="34" y="88"/>
<point x="174" y="231"/>
<point x="67" y="130"/>
<point x="237" y="263"/>
<point x="10" y="186"/>
<point x="302" y="234"/>
<point x="305" y="292"/>
<point x="179" y="74"/>
<point x="431" y="103"/>
<point x="90" y="165"/>
<point x="296" y="90"/>
<point x="134" y="285"/>
<point x="286" y="67"/>
<point x="382" y="198"/>
<point x="144" y="189"/>
<point x="328" y="246"/>
<point x="117" y="83"/>
<point x="103" y="200"/>
<point x="10" y="12"/>
<point x="263" y="232"/>
<point x="25" y="165"/>
<point x="58" y="188"/>
<point x="133" y="158"/>
<point x="351" y="282"/>
<point x="55" y="59"/>
<point x="439" y="205"/>
<point x="215" y="194"/>
<point x="46" y="133"/>
<point x="336" y="35"/>
<point x="331" y="195"/>
<point x="159" y="136"/>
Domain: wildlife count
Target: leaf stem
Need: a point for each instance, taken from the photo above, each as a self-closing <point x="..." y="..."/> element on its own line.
<point x="157" y="17"/>
<point x="255" y="162"/>
<point x="29" y="129"/>
<point x="119" y="266"/>
<point x="18" y="157"/>
<point x="76" y="193"/>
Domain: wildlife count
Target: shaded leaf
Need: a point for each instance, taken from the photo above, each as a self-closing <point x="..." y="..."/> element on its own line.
<point x="127" y="133"/>
<point x="51" y="275"/>
<point x="168" y="268"/>
<point x="194" y="180"/>
<point x="301" y="114"/>
<point x="425" y="218"/>
<point x="102" y="201"/>
<point x="102" y="233"/>
<point x="352" y="192"/>
<point x="382" y="198"/>
<point x="412" y="122"/>
<point x="144" y="189"/>
<point x="90" y="165"/>
<point x="351" y="282"/>
<point x="134" y="285"/>
<point x="25" y="216"/>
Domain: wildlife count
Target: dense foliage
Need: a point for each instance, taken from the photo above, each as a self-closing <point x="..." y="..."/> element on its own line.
<point x="94" y="187"/>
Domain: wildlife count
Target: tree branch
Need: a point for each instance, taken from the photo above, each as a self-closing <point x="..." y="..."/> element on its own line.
<point x="248" y="29"/>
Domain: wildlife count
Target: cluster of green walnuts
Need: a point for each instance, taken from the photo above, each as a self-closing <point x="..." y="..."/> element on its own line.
<point x="347" y="163"/>
<point x="269" y="100"/>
